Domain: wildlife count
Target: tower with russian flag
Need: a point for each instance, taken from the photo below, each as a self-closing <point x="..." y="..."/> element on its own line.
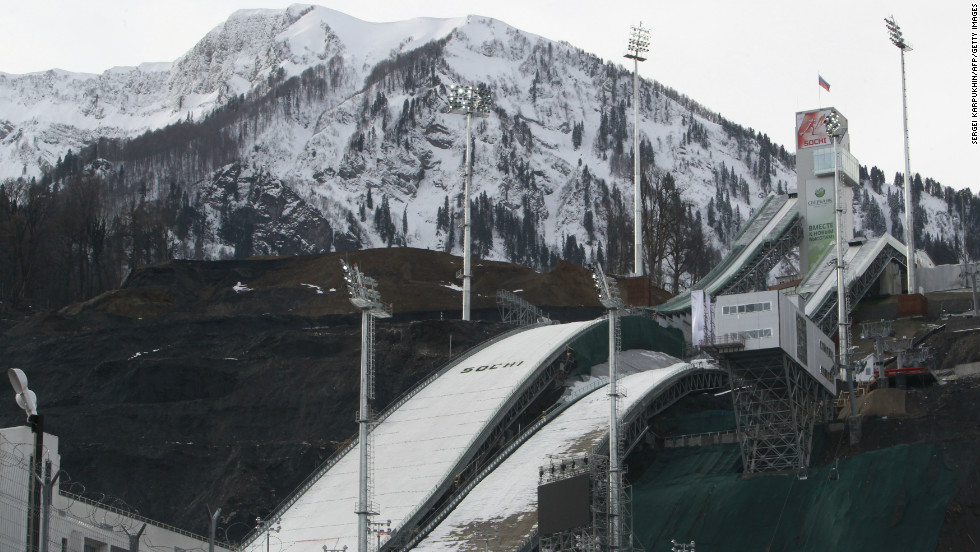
<point x="815" y="183"/>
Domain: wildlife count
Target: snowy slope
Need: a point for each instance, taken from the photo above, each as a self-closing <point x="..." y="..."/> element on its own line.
<point x="507" y="498"/>
<point x="335" y="108"/>
<point x="417" y="445"/>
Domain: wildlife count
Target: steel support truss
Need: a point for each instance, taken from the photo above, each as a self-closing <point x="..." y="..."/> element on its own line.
<point x="777" y="403"/>
<point x="516" y="310"/>
<point x="593" y="537"/>
<point x="634" y="424"/>
<point x="632" y="428"/>
<point x="856" y="289"/>
<point x="753" y="275"/>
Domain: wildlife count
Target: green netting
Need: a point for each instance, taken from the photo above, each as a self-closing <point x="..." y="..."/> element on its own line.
<point x="890" y="499"/>
<point x="638" y="332"/>
<point x="705" y="421"/>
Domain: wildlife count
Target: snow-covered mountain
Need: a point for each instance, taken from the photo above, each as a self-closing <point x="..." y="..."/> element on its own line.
<point x="346" y="120"/>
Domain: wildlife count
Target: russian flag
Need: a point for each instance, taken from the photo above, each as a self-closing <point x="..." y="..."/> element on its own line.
<point x="823" y="83"/>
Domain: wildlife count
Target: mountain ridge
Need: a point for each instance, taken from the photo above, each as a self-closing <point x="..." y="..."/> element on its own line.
<point x="362" y="137"/>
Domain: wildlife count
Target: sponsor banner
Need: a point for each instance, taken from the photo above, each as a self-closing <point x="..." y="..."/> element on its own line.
<point x="820" y="230"/>
<point x="810" y="129"/>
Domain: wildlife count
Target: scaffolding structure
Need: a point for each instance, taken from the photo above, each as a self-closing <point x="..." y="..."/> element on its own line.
<point x="777" y="403"/>
<point x="516" y="310"/>
<point x="594" y="537"/>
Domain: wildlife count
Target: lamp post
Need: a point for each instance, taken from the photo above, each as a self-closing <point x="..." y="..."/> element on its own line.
<point x="469" y="101"/>
<point x="836" y="129"/>
<point x="365" y="296"/>
<point x="27" y="400"/>
<point x="609" y="297"/>
<point x="211" y="530"/>
<point x="639" y="43"/>
<point x="269" y="529"/>
<point x="895" y="34"/>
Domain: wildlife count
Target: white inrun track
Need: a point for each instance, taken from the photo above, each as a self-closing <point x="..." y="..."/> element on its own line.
<point x="417" y="446"/>
<point x="503" y="506"/>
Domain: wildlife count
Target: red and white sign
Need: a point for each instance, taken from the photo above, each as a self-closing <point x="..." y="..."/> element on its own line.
<point x="810" y="129"/>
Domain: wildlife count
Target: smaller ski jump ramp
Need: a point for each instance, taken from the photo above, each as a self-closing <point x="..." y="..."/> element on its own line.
<point x="504" y="504"/>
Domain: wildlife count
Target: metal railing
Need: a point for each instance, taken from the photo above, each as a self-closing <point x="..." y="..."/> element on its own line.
<point x="685" y="440"/>
<point x="141" y="519"/>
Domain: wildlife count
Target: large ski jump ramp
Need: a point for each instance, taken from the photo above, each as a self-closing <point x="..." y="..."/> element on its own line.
<point x="419" y="445"/>
<point x="503" y="505"/>
<point x="756" y="249"/>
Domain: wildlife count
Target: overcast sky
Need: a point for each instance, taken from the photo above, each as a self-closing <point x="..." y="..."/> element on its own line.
<point x="754" y="62"/>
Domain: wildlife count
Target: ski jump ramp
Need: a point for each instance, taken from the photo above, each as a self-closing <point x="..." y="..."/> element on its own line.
<point x="769" y="235"/>
<point x="421" y="442"/>
<point x="864" y="262"/>
<point x="506" y="499"/>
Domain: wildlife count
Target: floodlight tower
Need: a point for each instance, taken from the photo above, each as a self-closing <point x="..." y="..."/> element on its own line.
<point x="639" y="43"/>
<point x="609" y="297"/>
<point x="469" y="101"/>
<point x="895" y="33"/>
<point x="365" y="296"/>
<point x="836" y="129"/>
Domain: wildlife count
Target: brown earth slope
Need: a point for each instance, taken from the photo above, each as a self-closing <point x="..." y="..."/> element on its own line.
<point x="178" y="391"/>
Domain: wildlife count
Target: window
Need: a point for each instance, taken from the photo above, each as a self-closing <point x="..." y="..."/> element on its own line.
<point x="826" y="349"/>
<point x="748" y="307"/>
<point x="757" y="334"/>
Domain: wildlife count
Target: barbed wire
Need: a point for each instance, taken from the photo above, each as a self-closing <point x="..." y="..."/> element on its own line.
<point x="103" y="514"/>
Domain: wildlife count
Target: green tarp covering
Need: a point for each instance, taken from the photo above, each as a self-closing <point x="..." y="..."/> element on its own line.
<point x="638" y="332"/>
<point x="891" y="500"/>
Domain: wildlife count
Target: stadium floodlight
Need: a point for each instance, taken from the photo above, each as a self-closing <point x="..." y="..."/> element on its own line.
<point x="836" y="130"/>
<point x="609" y="297"/>
<point x="27" y="401"/>
<point x="469" y="101"/>
<point x="639" y="43"/>
<point x="895" y="34"/>
<point x="365" y="296"/>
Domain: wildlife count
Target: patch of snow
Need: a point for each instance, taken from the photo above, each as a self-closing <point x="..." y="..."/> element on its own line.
<point x="319" y="291"/>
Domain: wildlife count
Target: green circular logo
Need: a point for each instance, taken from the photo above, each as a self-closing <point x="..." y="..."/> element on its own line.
<point x="820" y="192"/>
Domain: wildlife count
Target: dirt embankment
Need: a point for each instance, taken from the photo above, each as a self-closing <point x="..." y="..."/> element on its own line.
<point x="224" y="384"/>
